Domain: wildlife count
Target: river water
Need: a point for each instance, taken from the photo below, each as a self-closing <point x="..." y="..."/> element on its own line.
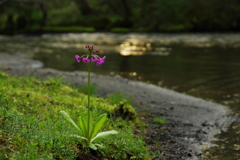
<point x="202" y="65"/>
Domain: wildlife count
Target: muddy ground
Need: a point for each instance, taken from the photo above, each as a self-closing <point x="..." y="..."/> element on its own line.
<point x="191" y="123"/>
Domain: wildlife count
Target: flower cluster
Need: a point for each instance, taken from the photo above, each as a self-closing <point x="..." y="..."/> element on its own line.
<point x="88" y="129"/>
<point x="90" y="58"/>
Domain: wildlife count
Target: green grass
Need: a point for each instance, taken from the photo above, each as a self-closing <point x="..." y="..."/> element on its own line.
<point x="31" y="127"/>
<point x="93" y="89"/>
<point x="160" y="120"/>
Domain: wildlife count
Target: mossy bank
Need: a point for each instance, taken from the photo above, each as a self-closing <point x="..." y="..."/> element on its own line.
<point x="32" y="128"/>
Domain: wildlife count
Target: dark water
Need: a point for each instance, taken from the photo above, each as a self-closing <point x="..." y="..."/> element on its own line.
<point x="202" y="65"/>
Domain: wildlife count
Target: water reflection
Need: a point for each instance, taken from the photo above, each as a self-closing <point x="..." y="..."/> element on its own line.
<point x="132" y="75"/>
<point x="138" y="48"/>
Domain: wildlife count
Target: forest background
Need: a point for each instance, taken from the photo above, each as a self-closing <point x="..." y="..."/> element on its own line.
<point x="36" y="16"/>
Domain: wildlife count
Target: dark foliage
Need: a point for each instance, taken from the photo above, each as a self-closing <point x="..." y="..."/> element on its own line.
<point x="104" y="15"/>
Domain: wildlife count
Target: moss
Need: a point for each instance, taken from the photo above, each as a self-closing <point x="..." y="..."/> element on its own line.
<point x="29" y="112"/>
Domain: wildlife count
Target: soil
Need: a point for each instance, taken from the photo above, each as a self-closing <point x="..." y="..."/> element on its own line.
<point x="191" y="123"/>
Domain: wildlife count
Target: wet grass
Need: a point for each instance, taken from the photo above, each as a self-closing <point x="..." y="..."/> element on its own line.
<point x="31" y="127"/>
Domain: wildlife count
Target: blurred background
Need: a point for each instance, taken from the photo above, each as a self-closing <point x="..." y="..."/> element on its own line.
<point x="19" y="16"/>
<point x="191" y="46"/>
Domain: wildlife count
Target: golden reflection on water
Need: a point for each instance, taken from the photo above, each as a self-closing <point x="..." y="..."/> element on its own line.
<point x="133" y="75"/>
<point x="128" y="73"/>
<point x="138" y="48"/>
<point x="128" y="48"/>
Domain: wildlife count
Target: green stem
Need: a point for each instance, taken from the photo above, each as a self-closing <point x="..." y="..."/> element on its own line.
<point x="89" y="85"/>
<point x="89" y="92"/>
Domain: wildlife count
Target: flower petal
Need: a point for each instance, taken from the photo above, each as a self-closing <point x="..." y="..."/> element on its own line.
<point x="78" y="58"/>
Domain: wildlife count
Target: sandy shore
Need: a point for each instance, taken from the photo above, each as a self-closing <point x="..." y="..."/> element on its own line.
<point x="191" y="122"/>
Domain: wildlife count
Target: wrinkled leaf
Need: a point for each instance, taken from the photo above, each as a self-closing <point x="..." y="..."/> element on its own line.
<point x="69" y="119"/>
<point x="103" y="135"/>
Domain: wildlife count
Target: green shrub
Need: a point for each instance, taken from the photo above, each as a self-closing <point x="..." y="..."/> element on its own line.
<point x="68" y="29"/>
<point x="120" y="30"/>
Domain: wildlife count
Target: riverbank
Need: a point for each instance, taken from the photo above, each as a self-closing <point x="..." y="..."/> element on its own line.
<point x="191" y="123"/>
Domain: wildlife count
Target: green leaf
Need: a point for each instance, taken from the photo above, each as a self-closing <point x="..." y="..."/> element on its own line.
<point x="78" y="137"/>
<point x="87" y="120"/>
<point x="92" y="146"/>
<point x="90" y="127"/>
<point x="99" y="146"/>
<point x="82" y="126"/>
<point x="98" y="125"/>
<point x="69" y="119"/>
<point x="103" y="135"/>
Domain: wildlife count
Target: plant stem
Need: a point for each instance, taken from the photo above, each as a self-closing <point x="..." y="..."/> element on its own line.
<point x="89" y="85"/>
<point x="89" y="92"/>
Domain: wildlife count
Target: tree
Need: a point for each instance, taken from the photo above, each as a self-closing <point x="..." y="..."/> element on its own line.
<point x="4" y="2"/>
<point x="19" y="13"/>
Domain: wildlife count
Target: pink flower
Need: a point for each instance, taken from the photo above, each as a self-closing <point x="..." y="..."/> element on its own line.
<point x="78" y="58"/>
<point x="100" y="61"/>
<point x="91" y="58"/>
<point x="86" y="60"/>
<point x="90" y="48"/>
<point x="94" y="58"/>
